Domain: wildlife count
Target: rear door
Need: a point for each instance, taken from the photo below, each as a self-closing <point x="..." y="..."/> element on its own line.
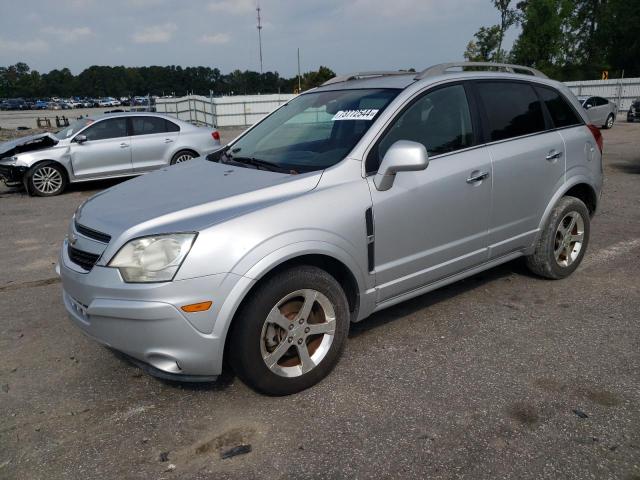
<point x="528" y="162"/>
<point x="106" y="152"/>
<point x="152" y="141"/>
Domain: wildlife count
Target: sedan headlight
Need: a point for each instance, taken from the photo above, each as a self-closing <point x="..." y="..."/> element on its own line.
<point x="153" y="259"/>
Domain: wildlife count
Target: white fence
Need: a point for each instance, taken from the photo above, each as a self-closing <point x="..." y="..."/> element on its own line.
<point x="621" y="91"/>
<point x="238" y="110"/>
<point x="244" y="110"/>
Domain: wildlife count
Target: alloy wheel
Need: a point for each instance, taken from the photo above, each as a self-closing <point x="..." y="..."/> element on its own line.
<point x="47" y="180"/>
<point x="184" y="157"/>
<point x="569" y="239"/>
<point x="298" y="333"/>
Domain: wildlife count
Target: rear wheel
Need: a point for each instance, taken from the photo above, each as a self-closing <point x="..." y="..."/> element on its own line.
<point x="609" y="123"/>
<point x="291" y="331"/>
<point x="182" y="156"/>
<point x="46" y="179"/>
<point x="563" y="242"/>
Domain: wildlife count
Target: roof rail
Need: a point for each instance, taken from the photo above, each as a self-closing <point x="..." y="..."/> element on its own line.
<point x="442" y="68"/>
<point x="357" y="75"/>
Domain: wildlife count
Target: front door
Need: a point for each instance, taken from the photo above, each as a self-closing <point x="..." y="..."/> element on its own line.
<point x="106" y="152"/>
<point x="431" y="223"/>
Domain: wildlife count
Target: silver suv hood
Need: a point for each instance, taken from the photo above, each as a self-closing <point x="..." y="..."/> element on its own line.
<point x="187" y="197"/>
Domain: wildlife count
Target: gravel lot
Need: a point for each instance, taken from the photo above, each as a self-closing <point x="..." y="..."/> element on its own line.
<point x="503" y="375"/>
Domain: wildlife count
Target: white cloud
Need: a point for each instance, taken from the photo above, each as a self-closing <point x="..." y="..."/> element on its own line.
<point x="215" y="38"/>
<point x="155" y="34"/>
<point x="68" y="35"/>
<point x="233" y="7"/>
<point x="30" y="46"/>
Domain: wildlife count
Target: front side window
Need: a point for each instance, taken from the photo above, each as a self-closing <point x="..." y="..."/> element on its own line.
<point x="561" y="112"/>
<point x="601" y="101"/>
<point x="439" y="120"/>
<point x="148" y="125"/>
<point x="111" y="128"/>
<point x="314" y="130"/>
<point x="512" y="109"/>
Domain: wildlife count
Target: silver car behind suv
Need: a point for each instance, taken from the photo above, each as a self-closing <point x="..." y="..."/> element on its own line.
<point x="367" y="191"/>
<point x="102" y="146"/>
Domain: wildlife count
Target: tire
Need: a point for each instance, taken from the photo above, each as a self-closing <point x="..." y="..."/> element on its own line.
<point x="609" y="123"/>
<point x="46" y="179"/>
<point x="255" y="340"/>
<point x="182" y="156"/>
<point x="563" y="242"/>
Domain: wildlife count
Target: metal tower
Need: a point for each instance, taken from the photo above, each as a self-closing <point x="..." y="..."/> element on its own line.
<point x="259" y="33"/>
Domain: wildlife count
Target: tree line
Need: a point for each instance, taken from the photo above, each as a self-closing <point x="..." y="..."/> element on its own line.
<point x="99" y="81"/>
<point x="566" y="39"/>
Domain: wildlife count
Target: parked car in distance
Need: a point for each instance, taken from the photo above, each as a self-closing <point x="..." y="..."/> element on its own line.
<point x="372" y="189"/>
<point x="14" y="104"/>
<point x="634" y="111"/>
<point x="41" y="105"/>
<point x="601" y="112"/>
<point x="102" y="146"/>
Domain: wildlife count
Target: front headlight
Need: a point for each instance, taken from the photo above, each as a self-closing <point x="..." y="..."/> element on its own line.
<point x="153" y="259"/>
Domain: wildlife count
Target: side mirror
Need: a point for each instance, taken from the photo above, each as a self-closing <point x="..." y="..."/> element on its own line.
<point x="80" y="139"/>
<point x="588" y="106"/>
<point x="402" y="156"/>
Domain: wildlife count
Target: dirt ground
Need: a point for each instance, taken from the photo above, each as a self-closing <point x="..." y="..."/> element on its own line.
<point x="503" y="375"/>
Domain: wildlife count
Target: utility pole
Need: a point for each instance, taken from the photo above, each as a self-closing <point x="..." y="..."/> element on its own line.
<point x="299" y="88"/>
<point x="259" y="33"/>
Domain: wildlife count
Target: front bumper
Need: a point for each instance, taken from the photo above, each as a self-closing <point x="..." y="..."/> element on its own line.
<point x="633" y="116"/>
<point x="144" y="321"/>
<point x="12" y="174"/>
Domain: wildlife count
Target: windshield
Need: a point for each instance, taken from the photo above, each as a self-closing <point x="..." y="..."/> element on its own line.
<point x="72" y="129"/>
<point x="314" y="130"/>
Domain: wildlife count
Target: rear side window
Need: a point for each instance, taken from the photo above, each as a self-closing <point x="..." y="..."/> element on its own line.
<point x="148" y="125"/>
<point x="111" y="128"/>
<point x="171" y="127"/>
<point x="512" y="109"/>
<point x="561" y="112"/>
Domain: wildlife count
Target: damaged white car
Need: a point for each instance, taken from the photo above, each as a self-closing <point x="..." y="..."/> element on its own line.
<point x="100" y="147"/>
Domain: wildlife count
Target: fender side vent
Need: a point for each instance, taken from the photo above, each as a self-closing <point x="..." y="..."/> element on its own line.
<point x="368" y="216"/>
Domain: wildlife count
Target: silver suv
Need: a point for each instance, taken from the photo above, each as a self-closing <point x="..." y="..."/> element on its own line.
<point x="372" y="189"/>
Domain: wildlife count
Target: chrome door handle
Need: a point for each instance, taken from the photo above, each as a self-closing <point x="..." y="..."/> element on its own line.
<point x="477" y="176"/>
<point x="168" y="140"/>
<point x="124" y="145"/>
<point x="553" y="155"/>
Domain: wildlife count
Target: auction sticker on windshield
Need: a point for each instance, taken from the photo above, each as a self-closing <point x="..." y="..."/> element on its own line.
<point x="355" y="115"/>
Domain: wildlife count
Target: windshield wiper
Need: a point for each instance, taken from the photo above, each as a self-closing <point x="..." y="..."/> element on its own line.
<point x="258" y="163"/>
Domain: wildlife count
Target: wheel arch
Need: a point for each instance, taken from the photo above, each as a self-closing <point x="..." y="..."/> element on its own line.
<point x="581" y="188"/>
<point x="335" y="266"/>
<point x="32" y="167"/>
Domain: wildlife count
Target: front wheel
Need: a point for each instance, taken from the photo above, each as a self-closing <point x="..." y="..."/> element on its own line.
<point x="290" y="333"/>
<point x="46" y="179"/>
<point x="563" y="242"/>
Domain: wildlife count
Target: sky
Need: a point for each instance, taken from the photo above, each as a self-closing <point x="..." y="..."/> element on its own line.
<point x="346" y="36"/>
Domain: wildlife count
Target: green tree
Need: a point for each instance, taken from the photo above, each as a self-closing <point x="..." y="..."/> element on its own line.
<point x="508" y="18"/>
<point x="485" y="45"/>
<point x="541" y="43"/>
